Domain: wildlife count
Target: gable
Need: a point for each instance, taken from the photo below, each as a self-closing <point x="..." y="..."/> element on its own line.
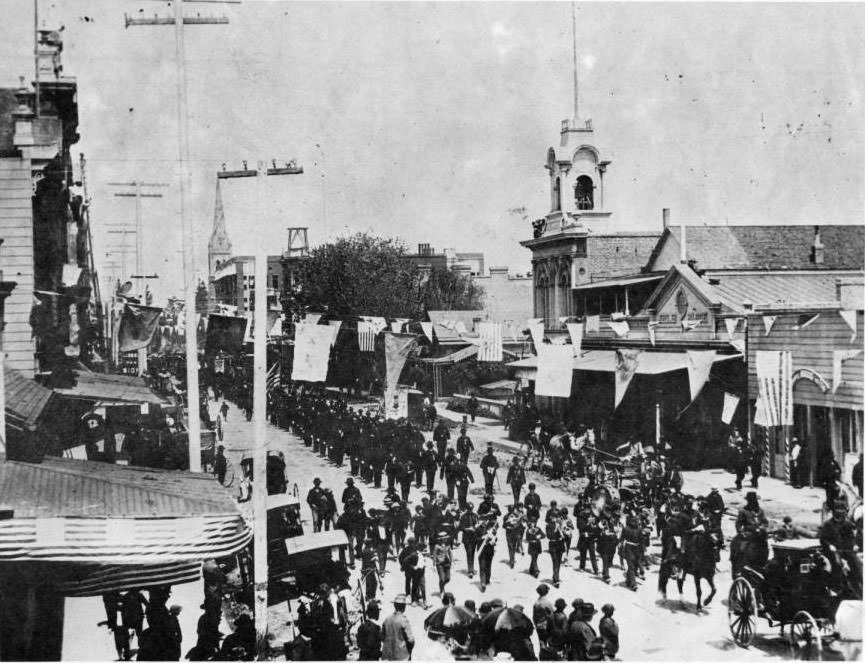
<point x="681" y="294"/>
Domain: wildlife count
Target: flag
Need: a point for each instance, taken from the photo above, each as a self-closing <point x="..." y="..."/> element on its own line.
<point x="731" y="324"/>
<point x="427" y="328"/>
<point x="626" y="366"/>
<point x="397" y="324"/>
<point x="621" y="328"/>
<point x="575" y="330"/>
<point x="775" y="386"/>
<point x="699" y="366"/>
<point x="805" y="320"/>
<point x="760" y="414"/>
<point x="365" y="336"/>
<point x="690" y="325"/>
<point x="731" y="402"/>
<point x="396" y="351"/>
<point x="491" y="341"/>
<point x="768" y="322"/>
<point x="838" y="359"/>
<point x="850" y="318"/>
<point x="378" y="324"/>
<point x="273" y="377"/>
<point x="537" y="333"/>
<point x="311" y="318"/>
<point x="272" y="319"/>
<point x="593" y="323"/>
<point x="555" y="370"/>
<point x="338" y="325"/>
<point x="137" y="326"/>
<point x="311" y="352"/>
<point x="650" y="327"/>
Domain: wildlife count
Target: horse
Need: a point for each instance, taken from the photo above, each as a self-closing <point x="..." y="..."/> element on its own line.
<point x="695" y="556"/>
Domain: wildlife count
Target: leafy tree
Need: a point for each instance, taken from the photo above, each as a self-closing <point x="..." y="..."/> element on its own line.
<point x="449" y="291"/>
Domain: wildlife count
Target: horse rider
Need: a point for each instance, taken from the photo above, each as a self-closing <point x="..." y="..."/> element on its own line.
<point x="752" y="528"/>
<point x="841" y="543"/>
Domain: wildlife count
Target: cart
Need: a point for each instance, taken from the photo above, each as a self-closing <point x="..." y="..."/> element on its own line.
<point x="792" y="591"/>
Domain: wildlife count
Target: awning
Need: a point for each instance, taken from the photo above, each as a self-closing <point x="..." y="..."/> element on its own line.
<point x="98" y="579"/>
<point x="111" y="387"/>
<point x="80" y="511"/>
<point x="316" y="541"/>
<point x="26" y="400"/>
<point x="618" y="283"/>
<point x="453" y="357"/>
<point x="604" y="361"/>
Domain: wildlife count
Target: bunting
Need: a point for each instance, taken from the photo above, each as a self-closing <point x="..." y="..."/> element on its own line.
<point x="690" y="325"/>
<point x="775" y="386"/>
<point x="575" y="330"/>
<point x="651" y="329"/>
<point x="396" y="350"/>
<point x="768" y="323"/>
<point x="365" y="336"/>
<point x="427" y="328"/>
<point x="537" y="332"/>
<point x="699" y="364"/>
<point x="620" y="328"/>
<point x="377" y="324"/>
<point x="555" y="370"/>
<point x="338" y="325"/>
<point x="137" y="326"/>
<point x="850" y="318"/>
<point x="731" y="402"/>
<point x="311" y="318"/>
<point x="491" y="341"/>
<point x="739" y="344"/>
<point x="593" y="323"/>
<point x="731" y="324"/>
<point x="312" y="345"/>
<point x="626" y="366"/>
<point x="838" y="359"/>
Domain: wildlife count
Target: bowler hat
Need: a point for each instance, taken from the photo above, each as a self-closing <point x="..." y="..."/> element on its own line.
<point x="400" y="599"/>
<point x="588" y="609"/>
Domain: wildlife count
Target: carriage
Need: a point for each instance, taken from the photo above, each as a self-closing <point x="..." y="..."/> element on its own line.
<point x="793" y="591"/>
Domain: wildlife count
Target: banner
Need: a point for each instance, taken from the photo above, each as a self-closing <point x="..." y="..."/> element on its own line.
<point x="427" y="328"/>
<point x="699" y="366"/>
<point x="775" y="386"/>
<point x="536" y="330"/>
<point x="768" y="323"/>
<point x="396" y="403"/>
<point x="626" y="366"/>
<point x="850" y="318"/>
<point x="311" y="352"/>
<point x="731" y="402"/>
<point x="137" y="326"/>
<point x="555" y="370"/>
<point x="650" y="327"/>
<point x="272" y="379"/>
<point x="760" y="414"/>
<point x="621" y="328"/>
<point x="311" y="318"/>
<point x="491" y="341"/>
<point x="365" y="336"/>
<point x="731" y="324"/>
<point x="593" y="323"/>
<point x="575" y="330"/>
<point x="838" y="359"/>
<point x="396" y="351"/>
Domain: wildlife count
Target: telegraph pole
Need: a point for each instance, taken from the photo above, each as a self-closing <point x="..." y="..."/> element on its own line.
<point x="178" y="20"/>
<point x="259" y="404"/>
<point x="136" y="193"/>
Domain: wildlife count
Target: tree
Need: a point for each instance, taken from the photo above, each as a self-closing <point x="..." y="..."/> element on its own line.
<point x="449" y="291"/>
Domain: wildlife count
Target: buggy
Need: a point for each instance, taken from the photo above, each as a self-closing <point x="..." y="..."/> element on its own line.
<point x="792" y="591"/>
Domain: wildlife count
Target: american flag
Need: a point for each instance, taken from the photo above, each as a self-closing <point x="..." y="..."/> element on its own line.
<point x="365" y="336"/>
<point x="273" y="377"/>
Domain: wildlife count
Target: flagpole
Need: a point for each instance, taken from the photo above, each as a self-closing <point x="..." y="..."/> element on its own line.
<point x="658" y="428"/>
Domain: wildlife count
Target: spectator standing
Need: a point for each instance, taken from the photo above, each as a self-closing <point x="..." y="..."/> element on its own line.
<point x="397" y="638"/>
<point x="541" y="612"/>
<point x="609" y="631"/>
<point x="370" y="635"/>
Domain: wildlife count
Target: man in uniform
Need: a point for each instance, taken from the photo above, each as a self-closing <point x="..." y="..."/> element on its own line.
<point x="428" y="464"/>
<point x="468" y="526"/>
<point x="489" y="467"/>
<point x="516" y="478"/>
<point x="533" y="503"/>
<point x="448" y="467"/>
<point x="556" y="540"/>
<point x="441" y="437"/>
<point x="464" y="446"/>
<point x="534" y="534"/>
<point x="462" y="477"/>
<point x="513" y="532"/>
<point x="315" y="499"/>
<point x="351" y="493"/>
<point x="486" y="551"/>
<point x="443" y="558"/>
<point x="489" y="508"/>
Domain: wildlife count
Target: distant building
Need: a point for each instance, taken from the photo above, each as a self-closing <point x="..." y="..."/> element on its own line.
<point x="234" y="284"/>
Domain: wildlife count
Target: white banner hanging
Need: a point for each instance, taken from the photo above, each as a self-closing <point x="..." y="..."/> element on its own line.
<point x="312" y="345"/>
<point x="490" y="341"/>
<point x="555" y="370"/>
<point x="699" y="366"/>
<point x="575" y="330"/>
<point x="731" y="402"/>
<point x="593" y="323"/>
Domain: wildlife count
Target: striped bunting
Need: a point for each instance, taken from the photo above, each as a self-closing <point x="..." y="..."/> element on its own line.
<point x="103" y="578"/>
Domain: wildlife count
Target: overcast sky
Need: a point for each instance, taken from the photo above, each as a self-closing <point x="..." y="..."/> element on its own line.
<point x="431" y="121"/>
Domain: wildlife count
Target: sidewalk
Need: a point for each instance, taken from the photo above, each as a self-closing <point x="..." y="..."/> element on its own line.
<point x="777" y="498"/>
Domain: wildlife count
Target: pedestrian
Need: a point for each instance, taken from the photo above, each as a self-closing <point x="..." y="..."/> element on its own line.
<point x="516" y="477"/>
<point x="369" y="571"/>
<point x="223" y="410"/>
<point x="174" y="634"/>
<point x="448" y="465"/>
<point x="369" y="634"/>
<point x="428" y="463"/>
<point x="534" y="534"/>
<point x="533" y="503"/>
<point x="608" y="540"/>
<point x="631" y="540"/>
<point x="556" y="542"/>
<point x="443" y="558"/>
<point x="220" y="464"/>
<point x="609" y="631"/>
<point x="397" y="638"/>
<point x="489" y="466"/>
<point x="468" y="526"/>
<point x="581" y="636"/>
<point x="587" y="523"/>
<point x="742" y="456"/>
<point x="756" y="464"/>
<point x="541" y="612"/>
<point x="327" y="510"/>
<point x="464" y="445"/>
<point x="462" y="478"/>
<point x="513" y="532"/>
<point x="557" y="630"/>
<point x="314" y="499"/>
<point x="472" y="407"/>
<point x="408" y="558"/>
<point x="486" y="551"/>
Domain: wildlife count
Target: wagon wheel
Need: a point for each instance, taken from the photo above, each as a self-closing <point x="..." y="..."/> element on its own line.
<point x="742" y="612"/>
<point x="805" y="637"/>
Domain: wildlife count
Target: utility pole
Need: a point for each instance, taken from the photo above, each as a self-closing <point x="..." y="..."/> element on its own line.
<point x="136" y="193"/>
<point x="38" y="104"/>
<point x="259" y="403"/>
<point x="192" y="394"/>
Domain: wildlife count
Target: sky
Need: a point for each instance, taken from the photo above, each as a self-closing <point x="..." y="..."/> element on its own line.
<point x="431" y="121"/>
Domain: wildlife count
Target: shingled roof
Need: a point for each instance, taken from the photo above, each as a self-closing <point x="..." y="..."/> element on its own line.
<point x="765" y="247"/>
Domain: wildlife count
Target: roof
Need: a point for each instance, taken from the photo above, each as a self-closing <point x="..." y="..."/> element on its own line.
<point x="649" y="363"/>
<point x="767" y="247"/>
<point x="775" y="288"/>
<point x="619" y="282"/>
<point x="26" y="399"/>
<point x="110" y="387"/>
<point x="316" y="541"/>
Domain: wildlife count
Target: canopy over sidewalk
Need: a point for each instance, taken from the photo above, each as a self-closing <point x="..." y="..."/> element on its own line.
<point x="112" y="388"/>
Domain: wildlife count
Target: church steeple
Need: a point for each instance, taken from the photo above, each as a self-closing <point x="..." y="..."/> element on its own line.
<point x="219" y="246"/>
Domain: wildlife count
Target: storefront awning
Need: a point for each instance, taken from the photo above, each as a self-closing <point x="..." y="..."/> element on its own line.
<point x="98" y="579"/>
<point x="316" y="541"/>
<point x="619" y="283"/>
<point x="26" y="400"/>
<point x="63" y="510"/>
<point x="604" y="361"/>
<point x="110" y="387"/>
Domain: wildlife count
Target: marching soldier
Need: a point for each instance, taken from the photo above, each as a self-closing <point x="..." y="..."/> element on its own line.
<point x="587" y="523"/>
<point x="513" y="531"/>
<point x="556" y="548"/>
<point x="534" y="534"/>
<point x="489" y="466"/>
<point x="486" y="551"/>
<point x="462" y="477"/>
<point x="468" y="525"/>
<point x="516" y="478"/>
<point x="533" y="503"/>
<point x="448" y="472"/>
<point x="428" y="464"/>
<point x="464" y="446"/>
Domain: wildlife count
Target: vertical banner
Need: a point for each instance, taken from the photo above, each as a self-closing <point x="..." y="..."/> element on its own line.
<point x="396" y="403"/>
<point x="338" y="325"/>
<point x="491" y="341"/>
<point x="137" y="326"/>
<point x="555" y="370"/>
<point x="575" y="331"/>
<point x="731" y="324"/>
<point x="626" y="366"/>
<point x="731" y="402"/>
<point x="775" y="386"/>
<point x="768" y="323"/>
<point x="365" y="336"/>
<point x="699" y="364"/>
<point x="427" y="328"/>
<point x="593" y="323"/>
<point x="396" y="351"/>
<point x="849" y="317"/>
<point x="311" y="352"/>
<point x="536" y="329"/>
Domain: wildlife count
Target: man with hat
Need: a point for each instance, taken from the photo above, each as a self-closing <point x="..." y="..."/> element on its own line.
<point x="464" y="445"/>
<point x="581" y="636"/>
<point x="462" y="477"/>
<point x="488" y="508"/>
<point x="441" y="436"/>
<point x="443" y="558"/>
<point x="557" y="628"/>
<point x="532" y="503"/>
<point x="516" y="477"/>
<point x="397" y="638"/>
<point x="513" y="533"/>
<point x="556" y="539"/>
<point x="534" y="534"/>
<point x="220" y="464"/>
<point x="841" y="544"/>
<point x="369" y="634"/>
<point x="468" y="526"/>
<point x="489" y="466"/>
<point x="448" y="471"/>
<point x="541" y="612"/>
<point x="351" y="493"/>
<point x="428" y="464"/>
<point x="752" y="526"/>
<point x="315" y="498"/>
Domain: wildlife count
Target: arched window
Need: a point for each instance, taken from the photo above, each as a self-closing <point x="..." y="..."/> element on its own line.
<point x="584" y="193"/>
<point x="557" y="194"/>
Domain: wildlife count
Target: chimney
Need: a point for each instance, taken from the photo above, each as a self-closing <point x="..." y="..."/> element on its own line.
<point x="817" y="250"/>
<point x="665" y="217"/>
<point x="683" y="246"/>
